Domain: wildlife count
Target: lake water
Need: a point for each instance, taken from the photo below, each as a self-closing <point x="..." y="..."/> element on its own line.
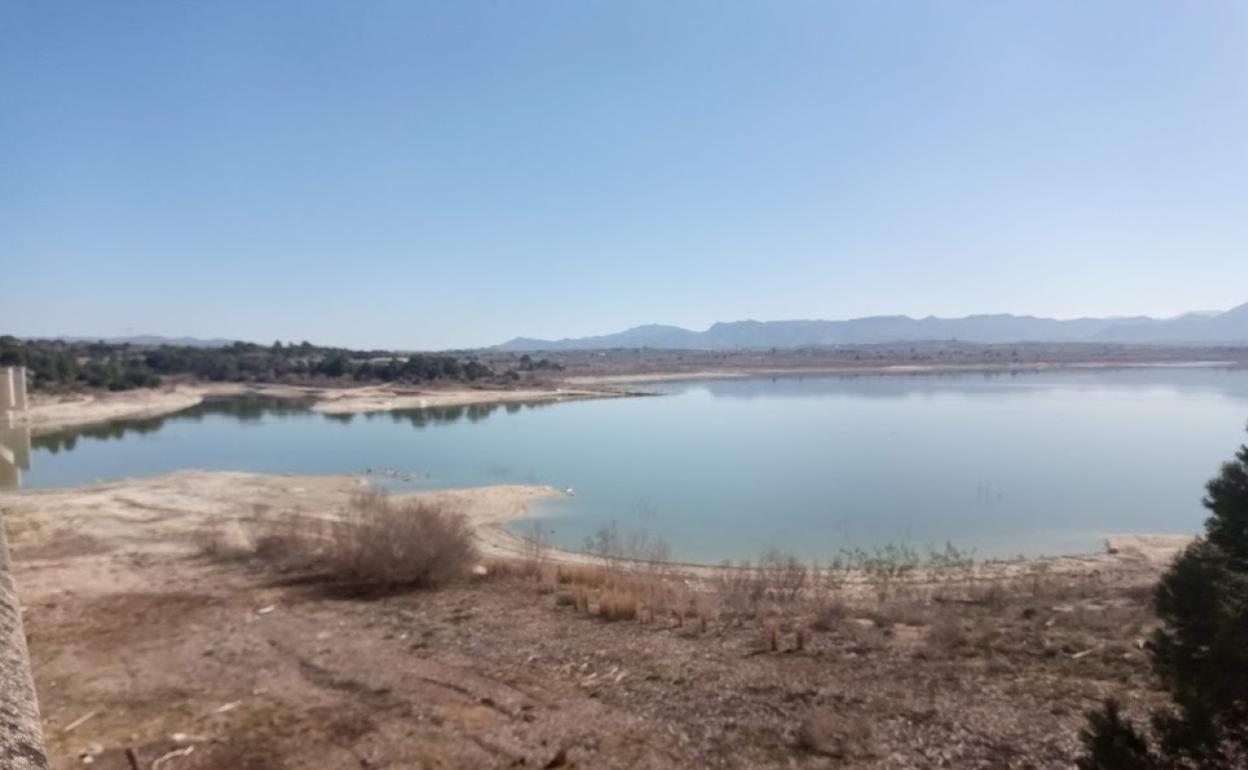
<point x="1035" y="463"/>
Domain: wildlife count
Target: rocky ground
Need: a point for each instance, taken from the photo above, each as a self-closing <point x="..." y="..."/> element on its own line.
<point x="142" y="642"/>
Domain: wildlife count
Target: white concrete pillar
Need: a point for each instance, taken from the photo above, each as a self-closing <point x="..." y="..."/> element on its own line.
<point x="13" y="389"/>
<point x="7" y="400"/>
<point x="19" y="388"/>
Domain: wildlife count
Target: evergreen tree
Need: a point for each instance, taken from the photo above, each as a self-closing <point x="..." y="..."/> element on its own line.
<point x="1200" y="653"/>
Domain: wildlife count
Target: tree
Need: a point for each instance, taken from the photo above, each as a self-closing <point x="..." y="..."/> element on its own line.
<point x="1200" y="653"/>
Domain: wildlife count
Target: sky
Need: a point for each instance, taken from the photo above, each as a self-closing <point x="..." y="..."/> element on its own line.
<point x="429" y="175"/>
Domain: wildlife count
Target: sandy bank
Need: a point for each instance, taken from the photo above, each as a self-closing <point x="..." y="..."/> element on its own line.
<point x="382" y="399"/>
<point x="52" y="413"/>
<point x="166" y="513"/>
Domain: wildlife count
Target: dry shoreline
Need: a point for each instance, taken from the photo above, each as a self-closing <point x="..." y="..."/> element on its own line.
<point x="142" y="642"/>
<point x="48" y="414"/>
<point x="189" y="502"/>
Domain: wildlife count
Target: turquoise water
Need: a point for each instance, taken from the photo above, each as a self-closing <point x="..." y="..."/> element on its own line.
<point x="1005" y="464"/>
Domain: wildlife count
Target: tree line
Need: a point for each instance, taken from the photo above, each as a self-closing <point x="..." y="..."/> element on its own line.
<point x="63" y="364"/>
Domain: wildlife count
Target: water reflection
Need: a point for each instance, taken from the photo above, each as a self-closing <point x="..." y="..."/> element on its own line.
<point x="1223" y="380"/>
<point x="14" y="453"/>
<point x="434" y="415"/>
<point x="253" y="408"/>
<point x="247" y="408"/>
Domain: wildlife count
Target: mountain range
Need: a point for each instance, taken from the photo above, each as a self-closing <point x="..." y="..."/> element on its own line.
<point x="1229" y="327"/>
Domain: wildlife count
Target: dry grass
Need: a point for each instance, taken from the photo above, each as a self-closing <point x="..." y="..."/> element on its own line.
<point x="836" y="735"/>
<point x="946" y="637"/>
<point x="574" y="574"/>
<point x="617" y="604"/>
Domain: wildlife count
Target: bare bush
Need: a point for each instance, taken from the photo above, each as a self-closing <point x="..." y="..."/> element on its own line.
<point x="414" y="544"/>
<point x="535" y="542"/>
<point x="379" y="543"/>
<point x="638" y="550"/>
<point x="739" y="587"/>
<point x="783" y="575"/>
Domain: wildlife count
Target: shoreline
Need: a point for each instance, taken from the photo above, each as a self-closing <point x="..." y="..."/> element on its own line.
<point x="165" y="510"/>
<point x="49" y="414"/>
<point x="186" y="647"/>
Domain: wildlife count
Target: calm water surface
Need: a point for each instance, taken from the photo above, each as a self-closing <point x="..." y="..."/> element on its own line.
<point x="1005" y="464"/>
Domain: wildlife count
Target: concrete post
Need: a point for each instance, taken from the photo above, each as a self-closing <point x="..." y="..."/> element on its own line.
<point x="13" y="389"/>
<point x="8" y="390"/>
<point x="19" y="388"/>
<point x="14" y="452"/>
<point x="21" y="732"/>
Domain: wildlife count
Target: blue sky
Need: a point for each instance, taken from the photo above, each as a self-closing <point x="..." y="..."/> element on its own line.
<point x="442" y="174"/>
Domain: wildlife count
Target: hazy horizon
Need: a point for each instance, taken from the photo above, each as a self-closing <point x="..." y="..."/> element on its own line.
<point x="423" y="176"/>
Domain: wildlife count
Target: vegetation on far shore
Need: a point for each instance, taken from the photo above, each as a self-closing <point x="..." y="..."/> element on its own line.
<point x="60" y="364"/>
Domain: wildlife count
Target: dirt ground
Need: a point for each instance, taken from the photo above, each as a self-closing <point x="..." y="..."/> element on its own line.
<point x="140" y="641"/>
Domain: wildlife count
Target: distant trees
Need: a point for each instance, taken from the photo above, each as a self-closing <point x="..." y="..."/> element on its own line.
<point x="1200" y="653"/>
<point x="55" y="363"/>
<point x="527" y="364"/>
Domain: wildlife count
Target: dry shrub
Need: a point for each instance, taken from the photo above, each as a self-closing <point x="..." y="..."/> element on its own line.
<point x="994" y="594"/>
<point x="414" y="544"/>
<point x="840" y="736"/>
<point x="829" y="614"/>
<point x="946" y="636"/>
<point x="769" y="633"/>
<point x="505" y="569"/>
<point x="802" y="638"/>
<point x="704" y="610"/>
<point x="617" y="604"/>
<point x="739" y="586"/>
<point x="904" y="611"/>
<point x="783" y="575"/>
<point x="379" y="543"/>
<point x="535" y="544"/>
<point x="637" y="550"/>
<point x="577" y="574"/>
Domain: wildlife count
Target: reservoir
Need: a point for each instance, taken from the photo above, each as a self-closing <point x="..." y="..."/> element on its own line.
<point x="1005" y="464"/>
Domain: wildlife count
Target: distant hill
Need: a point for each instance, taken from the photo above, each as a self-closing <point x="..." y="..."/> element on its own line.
<point x="1204" y="327"/>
